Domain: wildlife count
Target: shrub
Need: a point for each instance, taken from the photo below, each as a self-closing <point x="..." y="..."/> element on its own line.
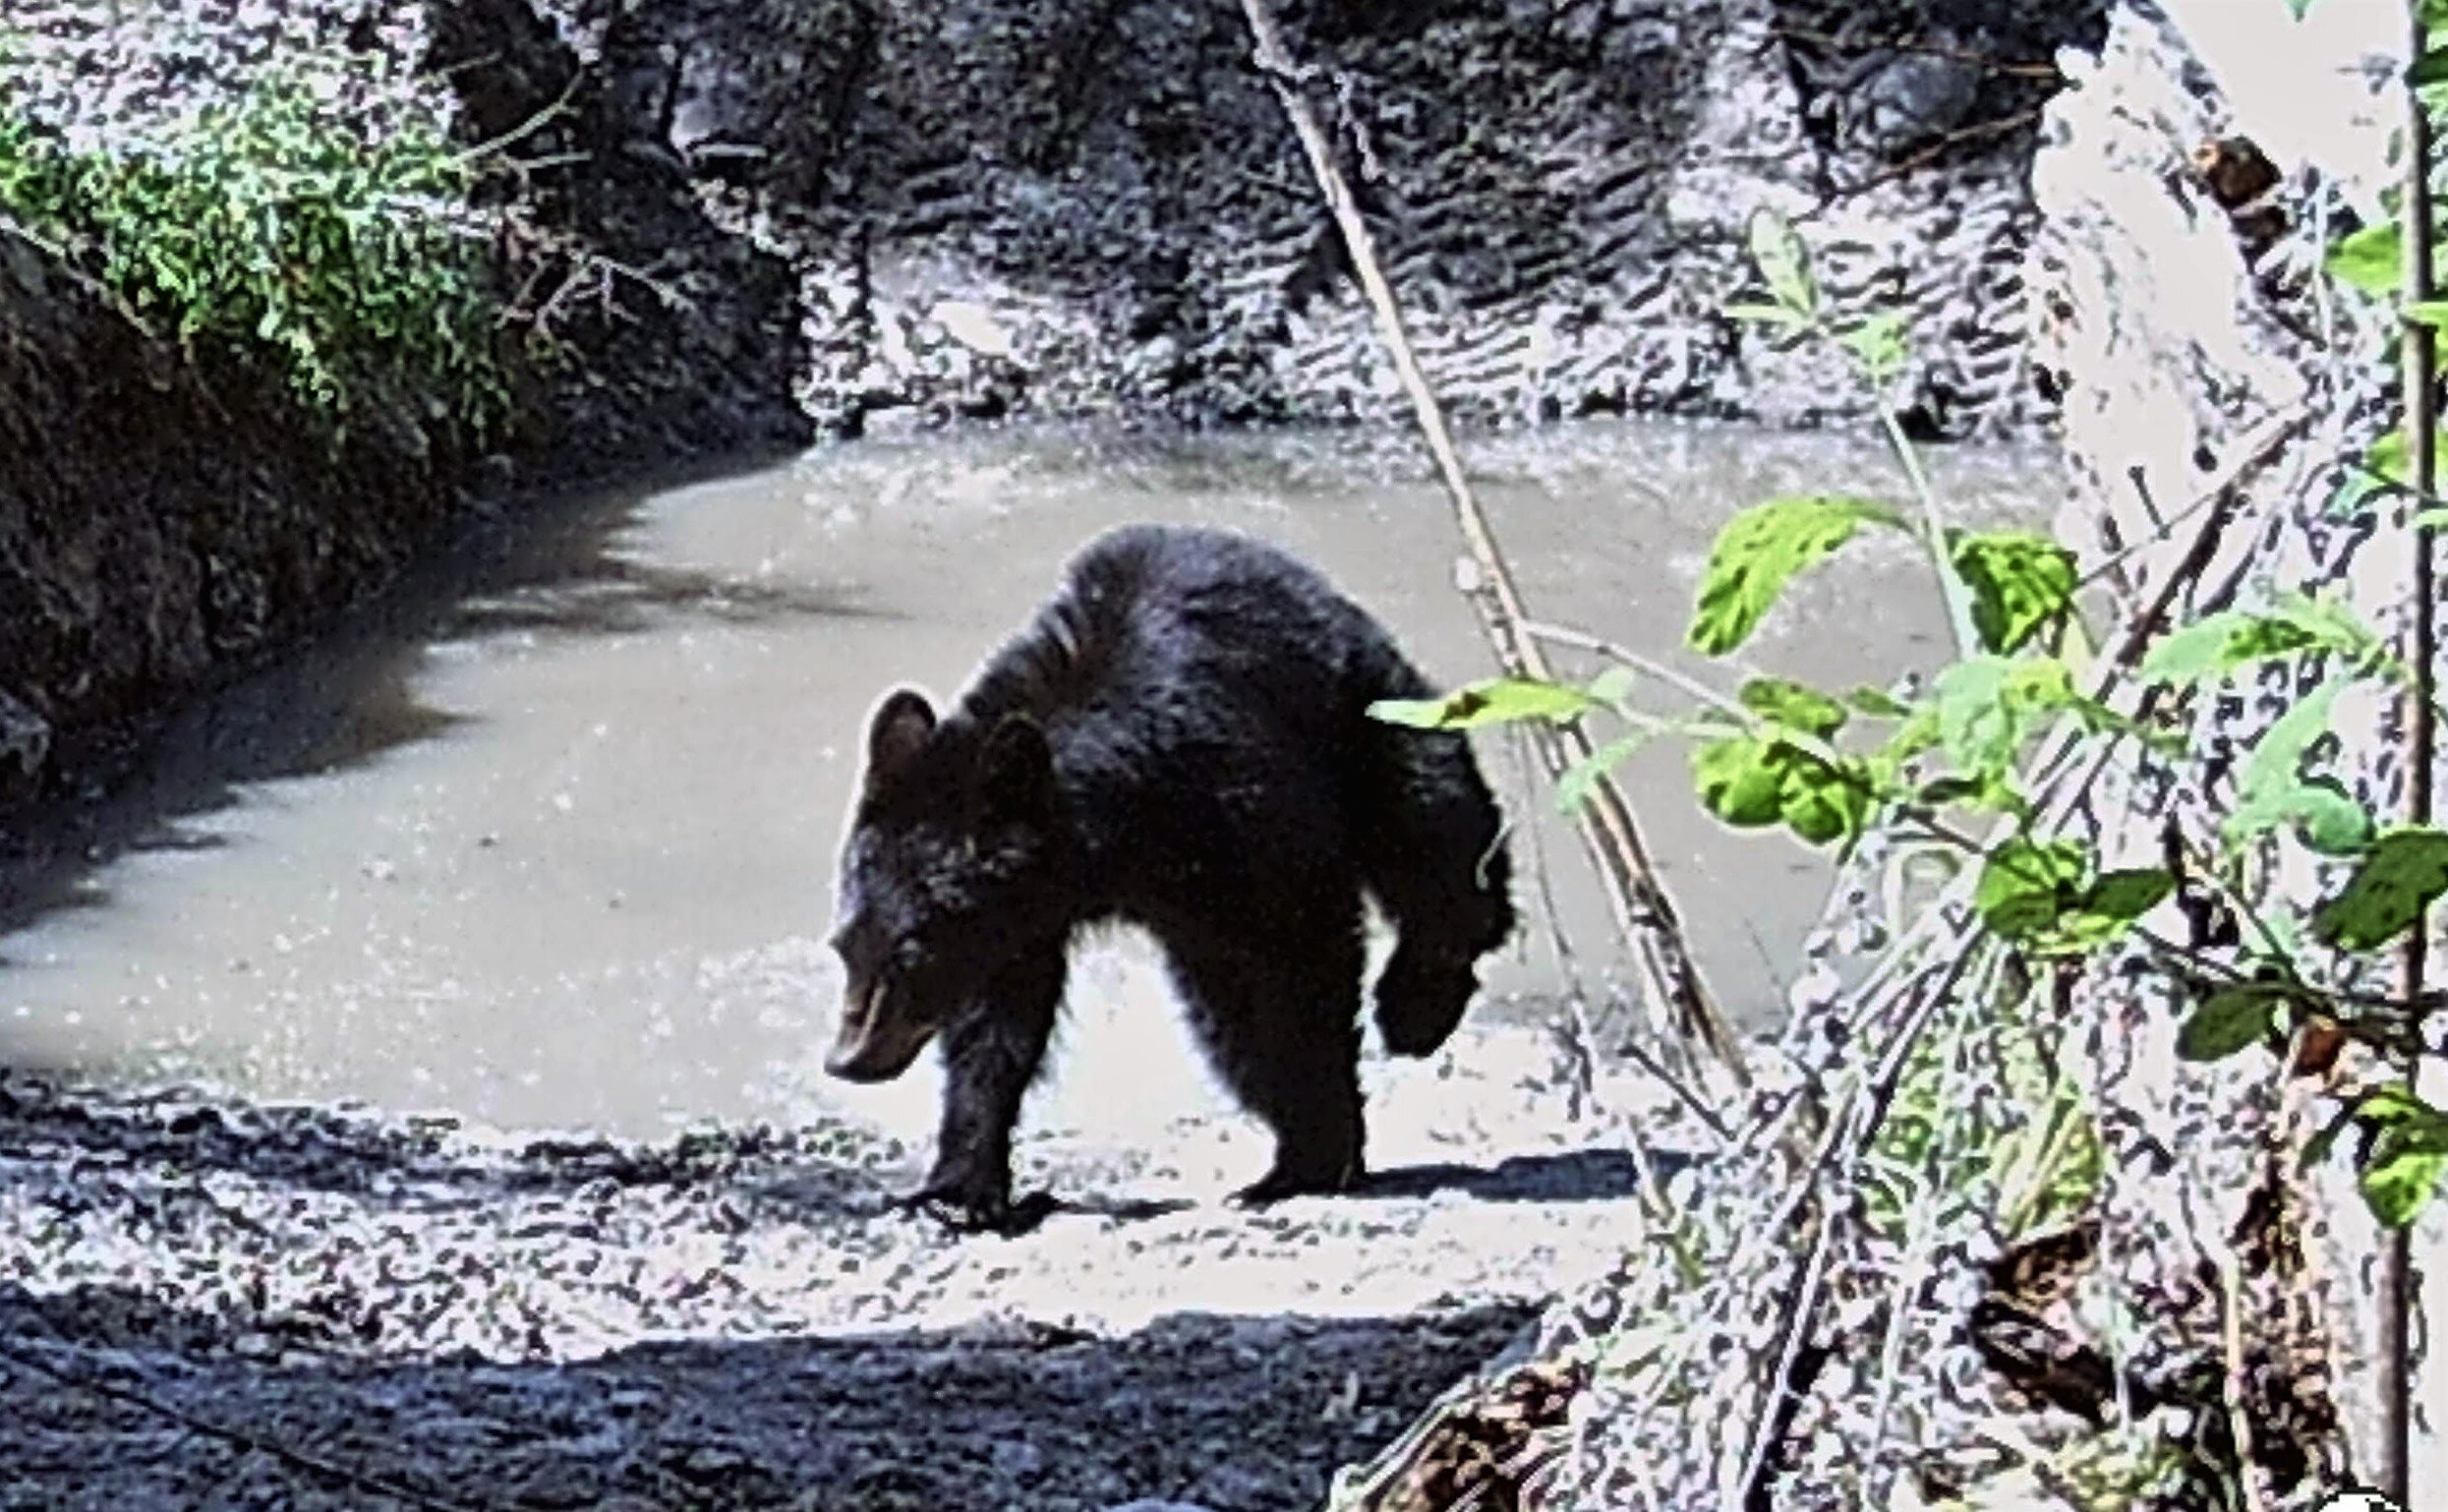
<point x="273" y="228"/>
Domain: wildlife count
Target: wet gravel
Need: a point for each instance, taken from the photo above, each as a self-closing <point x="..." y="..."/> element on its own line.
<point x="224" y="1304"/>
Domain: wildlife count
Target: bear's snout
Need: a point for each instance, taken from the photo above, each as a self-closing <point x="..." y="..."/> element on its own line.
<point x="875" y="1043"/>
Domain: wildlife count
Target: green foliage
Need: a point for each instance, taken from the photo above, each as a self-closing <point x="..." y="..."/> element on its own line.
<point x="2026" y="886"/>
<point x="2274" y="791"/>
<point x="2233" y="1018"/>
<point x="2405" y="1152"/>
<point x="1758" y="553"/>
<point x="1793" y="706"/>
<point x="2369" y="259"/>
<point x="1753" y="781"/>
<point x="2400" y="877"/>
<point x="1490" y="701"/>
<point x="271" y="230"/>
<point x="2019" y="583"/>
<point x="2218" y="646"/>
<point x="1785" y="265"/>
<point x="1770" y="756"/>
<point x="1877" y="345"/>
<point x="1579" y="780"/>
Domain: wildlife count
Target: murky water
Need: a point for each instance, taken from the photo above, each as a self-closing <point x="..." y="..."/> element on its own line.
<point x="548" y="841"/>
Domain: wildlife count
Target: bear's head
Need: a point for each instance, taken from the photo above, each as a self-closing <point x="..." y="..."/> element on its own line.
<point x="955" y="864"/>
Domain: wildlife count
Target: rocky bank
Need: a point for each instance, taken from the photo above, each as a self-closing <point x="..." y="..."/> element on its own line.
<point x="747" y="223"/>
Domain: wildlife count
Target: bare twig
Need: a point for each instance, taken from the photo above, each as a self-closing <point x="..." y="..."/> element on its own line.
<point x="2238" y="1420"/>
<point x="2259" y="445"/>
<point x="1801" y="1314"/>
<point x="2396" y="1275"/>
<point x="1643" y="912"/>
<point x="1937" y="150"/>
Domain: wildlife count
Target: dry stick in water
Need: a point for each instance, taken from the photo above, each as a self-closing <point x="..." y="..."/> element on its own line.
<point x="1642" y="911"/>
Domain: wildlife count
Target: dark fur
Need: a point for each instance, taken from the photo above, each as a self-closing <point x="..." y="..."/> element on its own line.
<point x="1179" y="741"/>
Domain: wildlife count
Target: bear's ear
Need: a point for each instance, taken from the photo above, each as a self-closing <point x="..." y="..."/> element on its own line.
<point x="1017" y="771"/>
<point x="900" y="726"/>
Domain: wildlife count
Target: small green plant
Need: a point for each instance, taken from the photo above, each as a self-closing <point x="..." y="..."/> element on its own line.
<point x="1961" y="765"/>
<point x="272" y="228"/>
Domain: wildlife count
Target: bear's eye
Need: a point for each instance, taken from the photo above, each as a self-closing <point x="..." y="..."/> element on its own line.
<point x="909" y="953"/>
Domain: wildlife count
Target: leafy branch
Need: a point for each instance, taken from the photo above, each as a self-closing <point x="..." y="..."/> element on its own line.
<point x="1963" y="750"/>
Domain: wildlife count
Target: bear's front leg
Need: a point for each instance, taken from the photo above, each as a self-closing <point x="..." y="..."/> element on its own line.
<point x="992" y="1053"/>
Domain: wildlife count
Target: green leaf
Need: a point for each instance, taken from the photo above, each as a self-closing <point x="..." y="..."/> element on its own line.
<point x="2107" y="909"/>
<point x="2400" y="876"/>
<point x="1573" y="789"/>
<point x="1940" y="791"/>
<point x="1881" y="704"/>
<point x="2395" y="1106"/>
<point x="1791" y="704"/>
<point x="2026" y="886"/>
<point x="1823" y="805"/>
<point x="2328" y="820"/>
<point x="1988" y="706"/>
<point x="2217" y="646"/>
<point x="1990" y="791"/>
<point x="2384" y="466"/>
<point x="2429" y="69"/>
<point x="2018" y="583"/>
<point x="2432" y="312"/>
<point x="2272" y="790"/>
<point x="2370" y="260"/>
<point x="1613" y="685"/>
<point x="1741" y="780"/>
<point x="2130" y="893"/>
<point x="2231" y="1019"/>
<point x="1760" y="551"/>
<point x="1490" y="701"/>
<point x="2398" y="1181"/>
<point x="1785" y="262"/>
<point x="1878" y="344"/>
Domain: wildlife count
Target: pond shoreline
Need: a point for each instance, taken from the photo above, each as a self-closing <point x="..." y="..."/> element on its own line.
<point x="309" y="1307"/>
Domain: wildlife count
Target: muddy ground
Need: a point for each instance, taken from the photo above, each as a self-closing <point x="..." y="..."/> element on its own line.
<point x="211" y="1306"/>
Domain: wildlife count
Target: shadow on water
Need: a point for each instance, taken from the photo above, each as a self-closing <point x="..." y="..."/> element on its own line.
<point x="551" y="567"/>
<point x="118" y="1400"/>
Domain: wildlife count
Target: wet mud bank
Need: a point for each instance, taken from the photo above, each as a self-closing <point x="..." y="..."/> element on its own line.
<point x="215" y="1304"/>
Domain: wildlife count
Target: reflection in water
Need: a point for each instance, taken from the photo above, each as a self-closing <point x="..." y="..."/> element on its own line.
<point x="547" y="840"/>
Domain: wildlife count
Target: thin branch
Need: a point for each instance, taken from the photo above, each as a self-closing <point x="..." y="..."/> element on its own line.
<point x="1643" y="911"/>
<point x="2238" y="1420"/>
<point x="2396" y="1272"/>
<point x="2259" y="445"/>
<point x="1937" y="150"/>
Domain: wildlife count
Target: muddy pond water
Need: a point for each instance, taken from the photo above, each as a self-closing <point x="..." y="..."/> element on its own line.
<point x="547" y="838"/>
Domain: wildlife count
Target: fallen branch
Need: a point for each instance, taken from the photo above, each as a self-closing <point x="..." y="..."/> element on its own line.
<point x="1642" y="913"/>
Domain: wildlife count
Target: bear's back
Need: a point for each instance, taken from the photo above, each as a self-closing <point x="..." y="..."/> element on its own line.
<point x="1162" y="626"/>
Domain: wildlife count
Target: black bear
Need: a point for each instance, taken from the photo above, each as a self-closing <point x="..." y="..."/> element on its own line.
<point x="1180" y="741"/>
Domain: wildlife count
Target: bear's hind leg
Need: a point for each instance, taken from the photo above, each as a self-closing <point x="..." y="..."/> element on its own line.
<point x="991" y="1055"/>
<point x="1279" y="1022"/>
